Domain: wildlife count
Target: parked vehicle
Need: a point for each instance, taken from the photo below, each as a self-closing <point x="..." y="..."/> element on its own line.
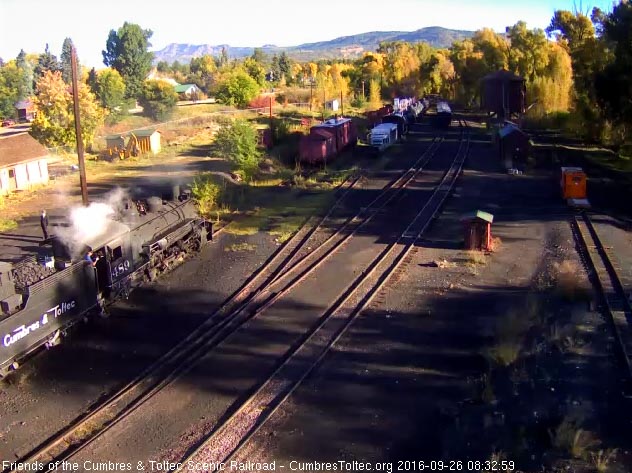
<point x="8" y="122"/>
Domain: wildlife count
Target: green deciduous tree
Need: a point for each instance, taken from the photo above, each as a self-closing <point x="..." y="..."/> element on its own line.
<point x="202" y="72"/>
<point x="127" y="52"/>
<point x="158" y="99"/>
<point x="375" y="97"/>
<point x="255" y="70"/>
<point x="54" y="123"/>
<point x="238" y="143"/>
<point x="10" y="81"/>
<point x="237" y="88"/>
<point x="577" y="34"/>
<point x="614" y="84"/>
<point x="529" y="54"/>
<point x="110" y="90"/>
<point x="401" y="67"/>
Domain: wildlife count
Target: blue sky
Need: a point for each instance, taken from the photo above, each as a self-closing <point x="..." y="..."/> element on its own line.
<point x="30" y="24"/>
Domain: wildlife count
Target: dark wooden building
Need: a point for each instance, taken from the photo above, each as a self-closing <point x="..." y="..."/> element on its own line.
<point x="503" y="94"/>
<point x="26" y="111"/>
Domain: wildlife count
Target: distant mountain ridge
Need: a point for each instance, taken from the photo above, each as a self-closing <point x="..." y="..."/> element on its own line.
<point x="342" y="47"/>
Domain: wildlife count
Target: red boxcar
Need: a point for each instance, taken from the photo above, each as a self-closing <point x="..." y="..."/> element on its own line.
<point x="326" y="140"/>
<point x="317" y="147"/>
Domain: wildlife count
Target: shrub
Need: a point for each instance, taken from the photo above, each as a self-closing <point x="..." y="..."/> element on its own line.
<point x="358" y="101"/>
<point x="570" y="438"/>
<point x="602" y="459"/>
<point x="237" y="89"/>
<point x="281" y="129"/>
<point x="238" y="143"/>
<point x="261" y="102"/>
<point x="294" y="95"/>
<point x="158" y="99"/>
<point x="206" y="193"/>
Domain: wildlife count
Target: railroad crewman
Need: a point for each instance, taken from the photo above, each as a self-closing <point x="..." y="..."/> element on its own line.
<point x="90" y="258"/>
<point x="44" y="224"/>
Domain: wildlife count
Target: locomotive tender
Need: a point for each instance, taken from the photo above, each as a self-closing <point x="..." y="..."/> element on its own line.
<point x="148" y="238"/>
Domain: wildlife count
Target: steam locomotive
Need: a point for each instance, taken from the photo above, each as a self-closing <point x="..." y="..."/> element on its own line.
<point x="147" y="238"/>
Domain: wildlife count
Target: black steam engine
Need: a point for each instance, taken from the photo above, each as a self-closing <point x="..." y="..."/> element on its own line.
<point x="40" y="300"/>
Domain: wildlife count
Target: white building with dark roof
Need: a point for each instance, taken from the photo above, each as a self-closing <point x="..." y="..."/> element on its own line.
<point x="23" y="163"/>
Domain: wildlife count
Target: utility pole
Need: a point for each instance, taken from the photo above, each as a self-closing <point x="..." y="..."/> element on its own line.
<point x="324" y="104"/>
<point x="342" y="106"/>
<point x="75" y="100"/>
<point x="311" y="92"/>
<point x="271" y="122"/>
<point x="363" y="96"/>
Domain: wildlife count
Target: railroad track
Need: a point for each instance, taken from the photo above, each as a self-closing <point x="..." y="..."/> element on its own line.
<point x="251" y="299"/>
<point x="613" y="299"/>
<point x="226" y="439"/>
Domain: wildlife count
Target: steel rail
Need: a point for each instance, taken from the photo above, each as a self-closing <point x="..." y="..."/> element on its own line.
<point x="183" y="356"/>
<point x="611" y="293"/>
<point x="228" y="437"/>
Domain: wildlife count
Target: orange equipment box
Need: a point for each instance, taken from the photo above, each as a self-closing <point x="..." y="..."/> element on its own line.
<point x="573" y="183"/>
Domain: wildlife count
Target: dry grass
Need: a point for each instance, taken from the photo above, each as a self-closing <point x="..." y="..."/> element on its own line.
<point x="568" y="284"/>
<point x="282" y="235"/>
<point x="511" y="331"/>
<point x="602" y="459"/>
<point x="487" y="391"/>
<point x="569" y="437"/>
<point x="273" y="182"/>
<point x="473" y="258"/>
<point x="244" y="227"/>
<point x="496" y="243"/>
<point x="495" y="460"/>
<point x="506" y="352"/>
<point x="7" y="224"/>
<point x="240" y="247"/>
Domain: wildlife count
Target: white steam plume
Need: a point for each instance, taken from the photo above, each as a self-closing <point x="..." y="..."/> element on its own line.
<point x="87" y="223"/>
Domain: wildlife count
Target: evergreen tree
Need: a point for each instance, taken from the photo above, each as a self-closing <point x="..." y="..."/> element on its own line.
<point x="223" y="59"/>
<point x="93" y="81"/>
<point x="285" y="67"/>
<point x="259" y="56"/>
<point x="66" y="66"/>
<point x="25" y="87"/>
<point x="46" y="62"/>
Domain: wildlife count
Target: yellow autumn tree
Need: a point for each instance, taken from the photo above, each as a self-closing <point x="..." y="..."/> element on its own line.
<point x="54" y="122"/>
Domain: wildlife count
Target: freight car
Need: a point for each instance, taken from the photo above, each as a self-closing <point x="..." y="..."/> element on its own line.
<point x="375" y="116"/>
<point x="443" y="118"/>
<point x="327" y="140"/>
<point x="40" y="301"/>
<point x="400" y="120"/>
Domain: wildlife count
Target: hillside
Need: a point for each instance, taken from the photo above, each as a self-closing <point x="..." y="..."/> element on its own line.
<point x="343" y="47"/>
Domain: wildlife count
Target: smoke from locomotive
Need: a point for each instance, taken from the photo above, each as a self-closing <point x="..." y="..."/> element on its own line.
<point x="86" y="223"/>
